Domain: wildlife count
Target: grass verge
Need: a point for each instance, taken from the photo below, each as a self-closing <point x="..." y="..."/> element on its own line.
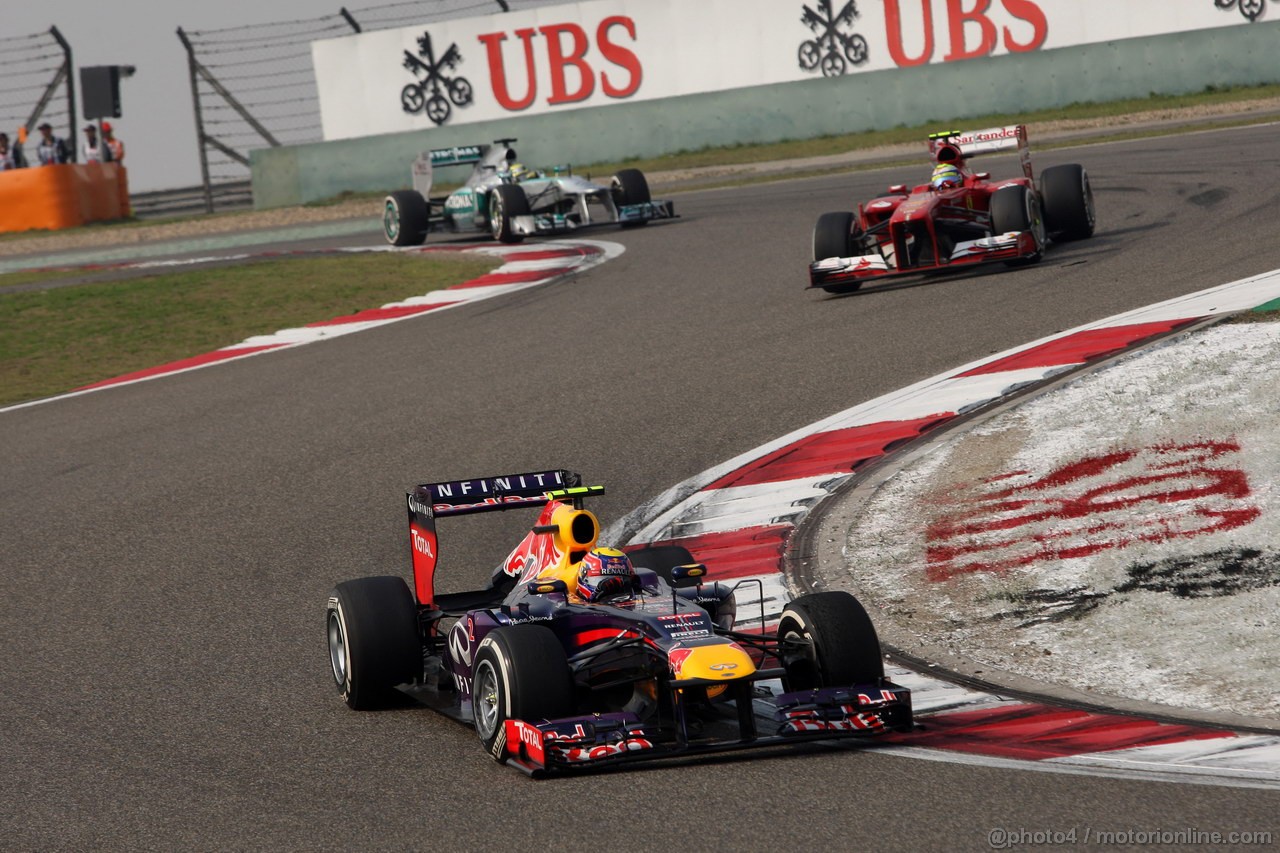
<point x="62" y="338"/>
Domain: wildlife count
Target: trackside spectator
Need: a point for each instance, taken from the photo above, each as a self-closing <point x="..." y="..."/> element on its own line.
<point x="94" y="150"/>
<point x="52" y="150"/>
<point x="6" y="156"/>
<point x="115" y="145"/>
<point x="19" y="149"/>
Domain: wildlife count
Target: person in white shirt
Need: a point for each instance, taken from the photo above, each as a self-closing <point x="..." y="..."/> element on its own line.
<point x="94" y="150"/>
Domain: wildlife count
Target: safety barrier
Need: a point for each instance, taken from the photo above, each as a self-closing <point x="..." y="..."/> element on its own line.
<point x="54" y="197"/>
<point x="1175" y="63"/>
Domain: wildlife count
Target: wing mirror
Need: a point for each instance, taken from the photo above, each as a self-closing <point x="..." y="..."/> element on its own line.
<point x="545" y="587"/>
<point x="691" y="574"/>
<point x="898" y="189"/>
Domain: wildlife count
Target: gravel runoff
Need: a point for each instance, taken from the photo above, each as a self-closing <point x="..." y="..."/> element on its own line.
<point x="1065" y="543"/>
<point x="97" y="236"/>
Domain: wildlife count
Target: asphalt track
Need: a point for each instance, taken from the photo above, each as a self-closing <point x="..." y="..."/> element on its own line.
<point x="167" y="546"/>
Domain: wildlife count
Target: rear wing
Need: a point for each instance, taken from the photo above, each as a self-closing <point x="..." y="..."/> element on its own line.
<point x="428" y="501"/>
<point x="459" y="155"/>
<point x="487" y="494"/>
<point x="951" y="145"/>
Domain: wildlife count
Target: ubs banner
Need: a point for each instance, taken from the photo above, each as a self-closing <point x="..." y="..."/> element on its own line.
<point x="593" y="54"/>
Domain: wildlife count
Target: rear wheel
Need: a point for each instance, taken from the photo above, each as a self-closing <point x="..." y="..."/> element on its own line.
<point x="405" y="218"/>
<point x="506" y="202"/>
<point x="521" y="673"/>
<point x="372" y="626"/>
<point x="832" y="642"/>
<point x="1068" y="202"/>
<point x="1017" y="208"/>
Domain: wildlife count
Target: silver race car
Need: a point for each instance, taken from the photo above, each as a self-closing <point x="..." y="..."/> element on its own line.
<point x="510" y="201"/>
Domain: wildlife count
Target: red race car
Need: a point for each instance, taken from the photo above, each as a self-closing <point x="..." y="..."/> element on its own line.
<point x="960" y="218"/>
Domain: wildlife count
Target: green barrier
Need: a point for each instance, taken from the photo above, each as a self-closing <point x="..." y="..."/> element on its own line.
<point x="932" y="94"/>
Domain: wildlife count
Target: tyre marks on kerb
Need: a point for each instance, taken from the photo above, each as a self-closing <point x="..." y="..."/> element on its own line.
<point x="739" y="517"/>
<point x="522" y="267"/>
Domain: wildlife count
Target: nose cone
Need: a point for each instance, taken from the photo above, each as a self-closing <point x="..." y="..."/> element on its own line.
<point x="720" y="661"/>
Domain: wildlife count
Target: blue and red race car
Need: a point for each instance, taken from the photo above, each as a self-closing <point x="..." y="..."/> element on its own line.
<point x="660" y="667"/>
<point x="952" y="224"/>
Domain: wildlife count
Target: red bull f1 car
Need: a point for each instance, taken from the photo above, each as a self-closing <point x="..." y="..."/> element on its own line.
<point x="510" y="201"/>
<point x="660" y="668"/>
<point x="960" y="221"/>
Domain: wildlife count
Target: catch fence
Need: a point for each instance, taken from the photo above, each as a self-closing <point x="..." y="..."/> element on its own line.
<point x="36" y="85"/>
<point x="255" y="86"/>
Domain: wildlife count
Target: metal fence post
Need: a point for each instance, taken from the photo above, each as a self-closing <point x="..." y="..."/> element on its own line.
<point x="200" y="140"/>
<point x="71" y="87"/>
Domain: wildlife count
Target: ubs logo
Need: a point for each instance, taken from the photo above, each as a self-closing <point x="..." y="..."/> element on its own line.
<point x="435" y="92"/>
<point x="832" y="48"/>
<point x="1251" y="9"/>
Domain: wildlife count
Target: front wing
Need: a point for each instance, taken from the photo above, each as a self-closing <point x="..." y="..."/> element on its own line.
<point x="559" y="223"/>
<point x="578" y="743"/>
<point x="1002" y="247"/>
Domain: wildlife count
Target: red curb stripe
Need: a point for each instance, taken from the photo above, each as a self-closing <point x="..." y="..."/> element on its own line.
<point x="1039" y="732"/>
<point x="737" y="553"/>
<point x="550" y="254"/>
<point x="838" y="451"/>
<point x="183" y="364"/>
<point x="1080" y="347"/>
<point x="372" y="314"/>
<point x="521" y="277"/>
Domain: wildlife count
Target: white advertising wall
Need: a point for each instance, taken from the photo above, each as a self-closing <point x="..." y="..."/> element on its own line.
<point x="609" y="52"/>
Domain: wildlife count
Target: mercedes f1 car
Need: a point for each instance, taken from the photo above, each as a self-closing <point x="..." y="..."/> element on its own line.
<point x="509" y="201"/>
<point x="662" y="668"/>
<point x="971" y="220"/>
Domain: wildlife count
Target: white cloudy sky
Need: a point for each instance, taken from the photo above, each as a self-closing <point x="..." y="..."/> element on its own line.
<point x="158" y="125"/>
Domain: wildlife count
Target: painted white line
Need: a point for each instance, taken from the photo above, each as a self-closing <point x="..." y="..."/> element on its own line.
<point x="579" y="255"/>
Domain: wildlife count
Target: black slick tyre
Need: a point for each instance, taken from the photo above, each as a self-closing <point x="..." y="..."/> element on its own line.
<point x="630" y="186"/>
<point x="406" y="218"/>
<point x="1017" y="208"/>
<point x="372" y="627"/>
<point x="833" y="237"/>
<point x="506" y="202"/>
<point x="828" y="641"/>
<point x="1068" y="202"/>
<point x="521" y="673"/>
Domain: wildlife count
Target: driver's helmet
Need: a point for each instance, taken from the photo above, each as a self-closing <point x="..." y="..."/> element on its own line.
<point x="605" y="572"/>
<point x="946" y="176"/>
<point x="520" y="172"/>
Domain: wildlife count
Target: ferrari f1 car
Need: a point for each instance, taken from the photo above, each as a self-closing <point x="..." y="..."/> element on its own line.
<point x="509" y="201"/>
<point x="968" y="221"/>
<point x="661" y="668"/>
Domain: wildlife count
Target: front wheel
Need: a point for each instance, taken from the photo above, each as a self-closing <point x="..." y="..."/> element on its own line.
<point x="521" y="673"/>
<point x="372" y="627"/>
<point x="1068" y="202"/>
<point x="405" y="218"/>
<point x="837" y="236"/>
<point x="630" y="186"/>
<point x="1017" y="208"/>
<point x="506" y="202"/>
<point x="828" y="641"/>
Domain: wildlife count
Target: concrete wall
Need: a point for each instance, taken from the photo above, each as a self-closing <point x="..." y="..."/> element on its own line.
<point x="931" y="94"/>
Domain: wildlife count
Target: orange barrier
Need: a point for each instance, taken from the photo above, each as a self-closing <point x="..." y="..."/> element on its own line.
<point x="53" y="197"/>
